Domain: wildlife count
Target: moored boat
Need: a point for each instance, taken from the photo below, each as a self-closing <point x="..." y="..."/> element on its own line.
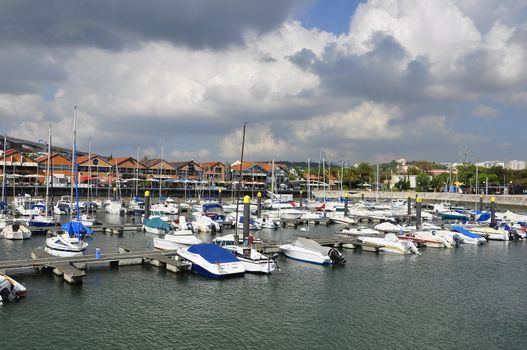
<point x="16" y="231"/>
<point x="307" y="250"/>
<point x="211" y="260"/>
<point x="11" y="290"/>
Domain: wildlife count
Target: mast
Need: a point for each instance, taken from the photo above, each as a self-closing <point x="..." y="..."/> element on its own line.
<point x="76" y="173"/>
<point x="47" y="169"/>
<point x="377" y="184"/>
<point x="72" y="160"/>
<point x="324" y="177"/>
<point x="272" y="177"/>
<point x="239" y="185"/>
<point x="89" y="177"/>
<point x="137" y="172"/>
<point x="161" y="170"/>
<point x="3" y="172"/>
<point x="308" y="181"/>
<point x="51" y="166"/>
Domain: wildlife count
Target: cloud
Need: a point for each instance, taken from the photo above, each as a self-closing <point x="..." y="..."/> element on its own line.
<point x="198" y="155"/>
<point x="119" y="24"/>
<point x="486" y="112"/>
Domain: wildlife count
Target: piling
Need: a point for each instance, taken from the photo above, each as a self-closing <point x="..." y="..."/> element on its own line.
<point x="480" y="203"/>
<point x="418" y="213"/>
<point x="492" y="211"/>
<point x="301" y="198"/>
<point x="147" y="204"/>
<point x="409" y="203"/>
<point x="362" y="197"/>
<point x="219" y="195"/>
<point x="246" y="217"/>
<point x="346" y="200"/>
<point x="114" y="189"/>
<point x="259" y="208"/>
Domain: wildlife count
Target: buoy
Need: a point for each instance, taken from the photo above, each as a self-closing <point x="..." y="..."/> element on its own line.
<point x="98" y="253"/>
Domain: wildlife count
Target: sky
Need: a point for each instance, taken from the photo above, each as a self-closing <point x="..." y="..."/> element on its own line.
<point x="370" y="80"/>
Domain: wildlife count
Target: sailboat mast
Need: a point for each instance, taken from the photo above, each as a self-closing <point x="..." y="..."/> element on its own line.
<point x="272" y="177"/>
<point x="89" y="177"/>
<point x="161" y="171"/>
<point x="3" y="171"/>
<point x="137" y="172"/>
<point x="47" y="178"/>
<point x="76" y="173"/>
<point x="324" y="176"/>
<point x="308" y="181"/>
<point x="239" y="184"/>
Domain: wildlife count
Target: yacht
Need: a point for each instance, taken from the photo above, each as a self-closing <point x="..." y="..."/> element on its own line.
<point x="390" y="244"/>
<point x="70" y="241"/>
<point x="305" y="249"/>
<point x="176" y="239"/>
<point x="252" y="260"/>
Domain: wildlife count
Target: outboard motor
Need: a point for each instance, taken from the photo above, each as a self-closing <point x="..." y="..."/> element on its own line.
<point x="457" y="239"/>
<point x="336" y="257"/>
<point x="514" y="235"/>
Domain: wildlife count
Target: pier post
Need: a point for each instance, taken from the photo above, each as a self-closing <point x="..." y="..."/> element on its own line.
<point x="219" y="195"/>
<point x="418" y="213"/>
<point x="409" y="203"/>
<point x="147" y="204"/>
<point x="492" y="211"/>
<point x="114" y="189"/>
<point x="346" y="200"/>
<point x="481" y="203"/>
<point x="362" y="197"/>
<point x="246" y="217"/>
<point x="259" y="207"/>
<point x="301" y="198"/>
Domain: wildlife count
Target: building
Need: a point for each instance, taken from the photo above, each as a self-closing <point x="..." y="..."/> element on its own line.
<point x="260" y="173"/>
<point x="516" y="164"/>
<point x="127" y="168"/>
<point x="396" y="178"/>
<point x="160" y="169"/>
<point x="19" y="167"/>
<point x="59" y="168"/>
<point x="93" y="167"/>
<point x="188" y="170"/>
<point x="214" y="171"/>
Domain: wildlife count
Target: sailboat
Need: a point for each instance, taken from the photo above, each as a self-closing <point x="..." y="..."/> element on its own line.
<point x="71" y="240"/>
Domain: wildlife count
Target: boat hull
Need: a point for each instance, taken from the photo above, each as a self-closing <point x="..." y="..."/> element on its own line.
<point x="300" y="254"/>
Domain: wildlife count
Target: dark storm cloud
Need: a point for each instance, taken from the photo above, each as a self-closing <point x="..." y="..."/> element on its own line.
<point x="116" y="24"/>
<point x="375" y="75"/>
<point x="28" y="71"/>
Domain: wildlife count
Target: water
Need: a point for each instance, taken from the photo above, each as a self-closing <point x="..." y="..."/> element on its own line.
<point x="466" y="298"/>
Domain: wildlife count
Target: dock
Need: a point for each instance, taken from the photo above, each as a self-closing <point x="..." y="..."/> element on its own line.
<point x="73" y="268"/>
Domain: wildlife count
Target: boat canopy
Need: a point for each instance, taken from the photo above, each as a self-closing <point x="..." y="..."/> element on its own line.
<point x="465" y="232"/>
<point x="212" y="206"/>
<point x="76" y="229"/>
<point x="156" y="223"/>
<point x="311" y="245"/>
<point x="213" y="253"/>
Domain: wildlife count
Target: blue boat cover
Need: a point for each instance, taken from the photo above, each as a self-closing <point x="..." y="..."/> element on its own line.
<point x="75" y="228"/>
<point x="156" y="223"/>
<point x="483" y="217"/>
<point x="212" y="253"/>
<point x="208" y="206"/>
<point x="465" y="232"/>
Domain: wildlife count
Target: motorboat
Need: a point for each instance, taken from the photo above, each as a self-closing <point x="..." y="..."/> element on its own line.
<point x="254" y="224"/>
<point x="114" y="207"/>
<point x="491" y="233"/>
<point x="42" y="221"/>
<point x="211" y="260"/>
<point x="389" y="243"/>
<point x="16" y="231"/>
<point x="389" y="227"/>
<point x="291" y="214"/>
<point x="71" y="240"/>
<point x="360" y="231"/>
<point x="156" y="226"/>
<point x="308" y="250"/>
<point x="4" y="221"/>
<point x="11" y="290"/>
<point x="27" y="206"/>
<point x="468" y="237"/>
<point x="205" y="224"/>
<point x="252" y="260"/>
<point x="339" y="218"/>
<point x="176" y="239"/>
<point x="435" y="238"/>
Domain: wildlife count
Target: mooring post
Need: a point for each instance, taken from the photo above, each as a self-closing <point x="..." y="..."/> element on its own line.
<point x="301" y="198"/>
<point x="418" y="213"/>
<point x="362" y="197"/>
<point x="219" y="195"/>
<point x="481" y="203"/>
<point x="147" y="204"/>
<point x="114" y="189"/>
<point x="346" y="200"/>
<point x="246" y="217"/>
<point x="492" y="211"/>
<point x="409" y="204"/>
<point x="259" y="205"/>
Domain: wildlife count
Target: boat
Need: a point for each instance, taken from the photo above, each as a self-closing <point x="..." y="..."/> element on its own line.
<point x="205" y="224"/>
<point x="252" y="260"/>
<point x="27" y="206"/>
<point x="11" y="290"/>
<point x="211" y="260"/>
<point x="290" y="214"/>
<point x="468" y="237"/>
<point x="389" y="227"/>
<point x="214" y="211"/>
<point x="42" y="221"/>
<point x="71" y="240"/>
<point x="114" y="207"/>
<point x="360" y="231"/>
<point x="156" y="226"/>
<point x="435" y="238"/>
<point x="16" y="231"/>
<point x="176" y="239"/>
<point x="307" y="250"/>
<point x="490" y="233"/>
<point x="390" y="244"/>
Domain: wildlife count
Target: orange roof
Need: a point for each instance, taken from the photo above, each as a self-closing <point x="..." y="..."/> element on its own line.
<point x="88" y="157"/>
<point x="265" y="166"/>
<point x="208" y="165"/>
<point x="44" y="159"/>
<point x="121" y="160"/>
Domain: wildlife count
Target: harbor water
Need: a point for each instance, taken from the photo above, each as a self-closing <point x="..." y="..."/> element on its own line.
<point x="470" y="297"/>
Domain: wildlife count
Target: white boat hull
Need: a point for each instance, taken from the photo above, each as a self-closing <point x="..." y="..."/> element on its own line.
<point x="16" y="233"/>
<point x="301" y="254"/>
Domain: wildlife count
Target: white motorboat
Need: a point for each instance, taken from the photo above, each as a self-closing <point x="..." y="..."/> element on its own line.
<point x="176" y="239"/>
<point x="205" y="224"/>
<point x="114" y="208"/>
<point x="492" y="234"/>
<point x="389" y="227"/>
<point x="339" y="218"/>
<point x="252" y="260"/>
<point x="291" y="214"/>
<point x="468" y="237"/>
<point x="67" y="243"/>
<point x="16" y="231"/>
<point x="211" y="260"/>
<point x="390" y="244"/>
<point x="10" y="290"/>
<point x="4" y="221"/>
<point x="42" y="221"/>
<point x="156" y="226"/>
<point x="435" y="238"/>
<point x="360" y="231"/>
<point x="27" y="206"/>
<point x="305" y="249"/>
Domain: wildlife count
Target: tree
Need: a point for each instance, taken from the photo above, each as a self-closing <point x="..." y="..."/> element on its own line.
<point x="422" y="182"/>
<point x="365" y="171"/>
<point x="403" y="185"/>
<point x="438" y="182"/>
<point x="412" y="171"/>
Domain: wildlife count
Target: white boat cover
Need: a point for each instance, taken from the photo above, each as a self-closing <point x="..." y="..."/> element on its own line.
<point x="310" y="244"/>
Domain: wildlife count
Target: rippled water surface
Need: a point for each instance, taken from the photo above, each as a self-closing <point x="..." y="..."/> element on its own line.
<point x="465" y="298"/>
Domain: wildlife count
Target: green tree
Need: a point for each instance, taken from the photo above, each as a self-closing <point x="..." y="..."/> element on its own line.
<point x="438" y="182"/>
<point x="365" y="171"/>
<point x="402" y="185"/>
<point x="422" y="182"/>
<point x="412" y="171"/>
